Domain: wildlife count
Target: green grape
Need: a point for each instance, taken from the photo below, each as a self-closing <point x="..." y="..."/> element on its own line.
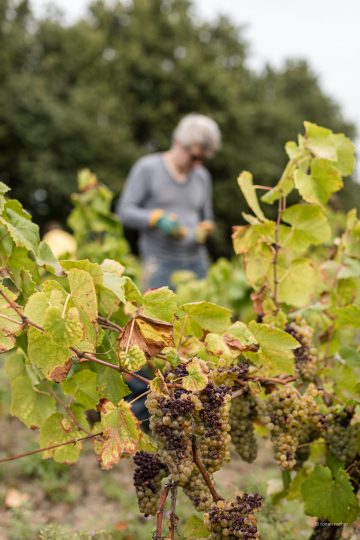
<point x="213" y="426"/>
<point x="306" y="360"/>
<point x="342" y="437"/>
<point x="292" y="418"/>
<point x="148" y="474"/>
<point x="198" y="492"/>
<point x="171" y="426"/>
<point x="242" y="414"/>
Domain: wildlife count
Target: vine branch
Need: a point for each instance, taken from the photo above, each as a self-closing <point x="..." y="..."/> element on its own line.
<point x="160" y="512"/>
<point x="173" y="517"/>
<point x="203" y="471"/>
<point x="39" y="450"/>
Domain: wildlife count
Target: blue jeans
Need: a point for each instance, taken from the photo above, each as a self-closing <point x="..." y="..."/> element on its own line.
<point x="157" y="272"/>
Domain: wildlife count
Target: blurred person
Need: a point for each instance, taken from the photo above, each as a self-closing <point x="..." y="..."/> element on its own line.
<point x="168" y="198"/>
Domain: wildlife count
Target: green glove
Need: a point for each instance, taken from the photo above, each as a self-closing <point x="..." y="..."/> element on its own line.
<point x="169" y="226"/>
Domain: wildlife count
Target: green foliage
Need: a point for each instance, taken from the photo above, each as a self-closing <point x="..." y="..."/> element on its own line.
<point x="102" y="92"/>
<point x="74" y="336"/>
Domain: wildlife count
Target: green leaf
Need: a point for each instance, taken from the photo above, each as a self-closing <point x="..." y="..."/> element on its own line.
<point x="82" y="387"/>
<point x="134" y="359"/>
<point x="64" y="329"/>
<point x="194" y="527"/>
<point x="329" y="498"/>
<point x="93" y="269"/>
<point x="58" y="430"/>
<point x="46" y="354"/>
<point x="45" y="257"/>
<point x="29" y="403"/>
<point x="245" y="181"/>
<point x="36" y="307"/>
<point x="208" y="316"/>
<point x="121" y="433"/>
<point x="23" y="232"/>
<point x="323" y="181"/>
<point x="275" y="347"/>
<point x="323" y="143"/>
<point x="83" y="292"/>
<point x="160" y="303"/>
<point x="197" y="378"/>
<point x="111" y="385"/>
<point x="297" y="283"/>
<point x="308" y="226"/>
<point x="347" y="316"/>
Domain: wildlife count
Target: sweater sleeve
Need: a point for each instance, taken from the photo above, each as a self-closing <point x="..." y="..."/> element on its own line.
<point x="208" y="212"/>
<point x="130" y="206"/>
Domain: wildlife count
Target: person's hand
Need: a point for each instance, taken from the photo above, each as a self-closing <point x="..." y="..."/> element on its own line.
<point x="168" y="224"/>
<point x="203" y="230"/>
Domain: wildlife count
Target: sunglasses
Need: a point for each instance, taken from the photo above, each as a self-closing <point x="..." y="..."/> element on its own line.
<point x="196" y="157"/>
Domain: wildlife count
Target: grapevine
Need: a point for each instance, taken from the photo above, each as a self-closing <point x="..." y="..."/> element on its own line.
<point x="73" y="331"/>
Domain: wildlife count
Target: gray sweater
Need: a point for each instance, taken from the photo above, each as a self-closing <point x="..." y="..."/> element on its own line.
<point x="150" y="186"/>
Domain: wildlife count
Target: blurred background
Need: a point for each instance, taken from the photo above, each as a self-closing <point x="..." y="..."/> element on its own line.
<point x="98" y="84"/>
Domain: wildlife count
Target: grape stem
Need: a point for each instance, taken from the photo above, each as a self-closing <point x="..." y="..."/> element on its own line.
<point x="173" y="517"/>
<point x="160" y="512"/>
<point x="203" y="471"/>
<point x="276" y="247"/>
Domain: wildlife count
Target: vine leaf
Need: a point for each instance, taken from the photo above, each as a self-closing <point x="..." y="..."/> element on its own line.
<point x="330" y="498"/>
<point x="308" y="226"/>
<point x="297" y="282"/>
<point x="83" y="292"/>
<point x="121" y="434"/>
<point x="323" y="143"/>
<point x="46" y="354"/>
<point x="28" y="402"/>
<point x="245" y="181"/>
<point x="160" y="303"/>
<point x="208" y="316"/>
<point x="347" y="316"/>
<point x="196" y="379"/>
<point x="194" y="527"/>
<point x="57" y="429"/>
<point x="324" y="180"/>
<point x="64" y="329"/>
<point x="275" y="348"/>
<point x="150" y="335"/>
<point x="82" y="387"/>
<point x="18" y="222"/>
<point x="134" y="359"/>
<point x="9" y="329"/>
<point x="111" y="385"/>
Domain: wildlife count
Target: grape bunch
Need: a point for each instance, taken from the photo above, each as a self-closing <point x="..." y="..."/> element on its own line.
<point x="231" y="520"/>
<point x="242" y="414"/>
<point x="342" y="437"/>
<point x="198" y="492"/>
<point x="171" y="426"/>
<point x="305" y="355"/>
<point x="148" y="474"/>
<point x="235" y="376"/>
<point x="134" y="359"/>
<point x="291" y="418"/>
<point x="213" y="426"/>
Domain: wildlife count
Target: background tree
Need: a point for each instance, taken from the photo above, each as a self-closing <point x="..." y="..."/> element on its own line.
<point x="111" y="87"/>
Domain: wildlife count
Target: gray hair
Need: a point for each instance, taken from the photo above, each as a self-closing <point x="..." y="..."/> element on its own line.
<point x="198" y="129"/>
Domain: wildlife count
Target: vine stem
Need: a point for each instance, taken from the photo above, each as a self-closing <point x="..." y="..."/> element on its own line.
<point x="160" y="512"/>
<point x="173" y="517"/>
<point x="39" y="450"/>
<point x="109" y="324"/>
<point x="277" y="248"/>
<point x="203" y="471"/>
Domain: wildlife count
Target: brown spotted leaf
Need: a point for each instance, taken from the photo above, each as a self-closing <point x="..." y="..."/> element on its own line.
<point x="150" y="335"/>
<point x="120" y="433"/>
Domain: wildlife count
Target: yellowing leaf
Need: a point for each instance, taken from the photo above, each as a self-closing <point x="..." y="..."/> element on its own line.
<point x="121" y="433"/>
<point x="208" y="316"/>
<point x="150" y="335"/>
<point x="245" y="181"/>
<point x="197" y="378"/>
<point x="65" y="329"/>
<point x="160" y="303"/>
<point x="58" y="430"/>
<point x="308" y="226"/>
<point x="324" y="180"/>
<point x="297" y="283"/>
<point x="83" y="292"/>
